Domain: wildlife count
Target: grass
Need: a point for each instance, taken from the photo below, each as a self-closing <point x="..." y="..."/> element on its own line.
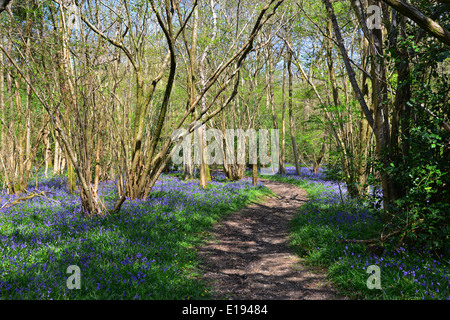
<point x="145" y="252"/>
<point x="325" y="220"/>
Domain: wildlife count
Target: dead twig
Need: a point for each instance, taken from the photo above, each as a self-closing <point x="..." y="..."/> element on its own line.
<point x="381" y="239"/>
<point x="27" y="197"/>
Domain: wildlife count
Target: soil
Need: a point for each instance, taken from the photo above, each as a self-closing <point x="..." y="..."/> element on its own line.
<point x="248" y="256"/>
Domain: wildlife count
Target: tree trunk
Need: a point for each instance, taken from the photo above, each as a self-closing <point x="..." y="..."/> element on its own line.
<point x="47" y="152"/>
<point x="379" y="122"/>
<point x="291" y="117"/>
<point x="402" y="113"/>
<point x="283" y="124"/>
<point x="97" y="169"/>
<point x="381" y="112"/>
<point x="423" y="21"/>
<point x="319" y="158"/>
<point x="255" y="174"/>
<point x="57" y="159"/>
<point x="2" y="103"/>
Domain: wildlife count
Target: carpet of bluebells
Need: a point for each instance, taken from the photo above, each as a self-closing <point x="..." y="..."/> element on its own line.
<point x="331" y="216"/>
<point x="145" y="252"/>
<point x="148" y="250"/>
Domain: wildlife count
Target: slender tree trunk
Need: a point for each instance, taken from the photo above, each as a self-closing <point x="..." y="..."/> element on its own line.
<point x="319" y="158"/>
<point x="97" y="169"/>
<point x="255" y="174"/>
<point x="57" y="160"/>
<point x="330" y="63"/>
<point x="271" y="101"/>
<point x="2" y="103"/>
<point x="363" y="145"/>
<point x="283" y="123"/>
<point x="291" y="116"/>
<point x="381" y="112"/>
<point x="47" y="152"/>
<point x="402" y="113"/>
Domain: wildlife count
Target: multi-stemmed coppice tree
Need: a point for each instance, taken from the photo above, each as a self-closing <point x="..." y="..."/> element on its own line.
<point x="82" y="46"/>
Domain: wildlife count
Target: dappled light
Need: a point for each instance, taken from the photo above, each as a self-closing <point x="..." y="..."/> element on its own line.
<point x="224" y="150"/>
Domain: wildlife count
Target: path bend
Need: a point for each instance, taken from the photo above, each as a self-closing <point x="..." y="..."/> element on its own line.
<point x="248" y="256"/>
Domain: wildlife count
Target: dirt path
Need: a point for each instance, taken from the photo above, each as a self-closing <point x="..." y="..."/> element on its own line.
<point x="248" y="256"/>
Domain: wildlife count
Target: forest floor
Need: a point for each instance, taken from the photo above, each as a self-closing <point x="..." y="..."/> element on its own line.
<point x="248" y="256"/>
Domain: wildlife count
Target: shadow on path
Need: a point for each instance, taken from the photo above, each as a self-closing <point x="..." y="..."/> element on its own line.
<point x="248" y="256"/>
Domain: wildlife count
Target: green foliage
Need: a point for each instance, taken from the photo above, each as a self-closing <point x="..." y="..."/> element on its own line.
<point x="321" y="225"/>
<point x="423" y="208"/>
<point x="421" y="171"/>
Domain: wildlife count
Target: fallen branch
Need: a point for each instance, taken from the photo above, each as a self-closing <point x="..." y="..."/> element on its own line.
<point x="382" y="238"/>
<point x="27" y="197"/>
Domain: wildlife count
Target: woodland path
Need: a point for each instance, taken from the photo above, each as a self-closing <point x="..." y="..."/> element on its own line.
<point x="248" y="256"/>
